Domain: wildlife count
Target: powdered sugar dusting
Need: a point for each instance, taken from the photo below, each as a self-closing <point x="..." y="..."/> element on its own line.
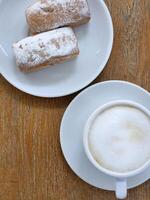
<point x="35" y="50"/>
<point x="80" y="4"/>
<point x="65" y="4"/>
<point x="51" y="14"/>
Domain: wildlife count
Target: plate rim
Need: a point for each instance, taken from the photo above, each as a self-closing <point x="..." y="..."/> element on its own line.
<point x="105" y="82"/>
<point x="68" y="108"/>
<point x="101" y="66"/>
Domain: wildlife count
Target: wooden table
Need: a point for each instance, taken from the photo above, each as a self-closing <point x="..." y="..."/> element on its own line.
<point x="32" y="166"/>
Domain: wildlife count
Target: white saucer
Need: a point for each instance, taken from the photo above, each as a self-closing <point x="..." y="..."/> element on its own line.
<point x="95" y="43"/>
<point x="74" y="120"/>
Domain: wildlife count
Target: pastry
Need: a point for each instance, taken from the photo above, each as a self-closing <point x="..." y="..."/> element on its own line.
<point x="38" y="51"/>
<point x="46" y="15"/>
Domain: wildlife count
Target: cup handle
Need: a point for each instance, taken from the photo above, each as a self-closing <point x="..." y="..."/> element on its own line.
<point x="121" y="188"/>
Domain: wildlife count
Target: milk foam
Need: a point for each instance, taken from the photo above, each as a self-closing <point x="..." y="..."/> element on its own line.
<point x="119" y="138"/>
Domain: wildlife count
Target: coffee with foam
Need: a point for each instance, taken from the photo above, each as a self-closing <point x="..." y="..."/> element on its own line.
<point x="119" y="138"/>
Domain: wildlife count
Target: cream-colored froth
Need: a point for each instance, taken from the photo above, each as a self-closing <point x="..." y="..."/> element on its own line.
<point x="119" y="138"/>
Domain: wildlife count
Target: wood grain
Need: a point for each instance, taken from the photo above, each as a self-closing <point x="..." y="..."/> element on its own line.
<point x="31" y="163"/>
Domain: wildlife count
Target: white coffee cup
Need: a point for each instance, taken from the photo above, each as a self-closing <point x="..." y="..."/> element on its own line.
<point x="121" y="178"/>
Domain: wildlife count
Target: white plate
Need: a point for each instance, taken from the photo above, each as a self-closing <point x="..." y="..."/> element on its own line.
<point x="95" y="43"/>
<point x="75" y="118"/>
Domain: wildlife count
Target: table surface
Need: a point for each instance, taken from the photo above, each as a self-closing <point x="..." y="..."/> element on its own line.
<point x="32" y="166"/>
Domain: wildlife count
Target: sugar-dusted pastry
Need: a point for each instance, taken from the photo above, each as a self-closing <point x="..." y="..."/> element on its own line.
<point x="45" y="15"/>
<point x="36" y="52"/>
